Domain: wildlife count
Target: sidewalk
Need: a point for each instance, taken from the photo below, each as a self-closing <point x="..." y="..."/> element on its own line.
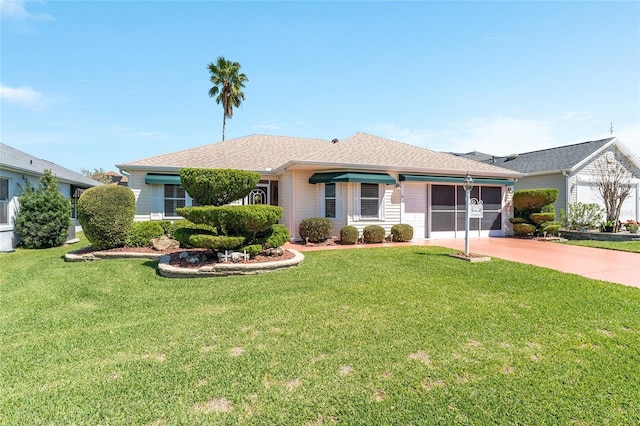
<point x="607" y="265"/>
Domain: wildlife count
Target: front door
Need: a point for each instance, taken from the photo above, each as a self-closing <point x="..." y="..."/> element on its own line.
<point x="260" y="195"/>
<point x="415" y="208"/>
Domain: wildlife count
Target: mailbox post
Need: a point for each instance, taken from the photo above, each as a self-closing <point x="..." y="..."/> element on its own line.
<point x="467" y="185"/>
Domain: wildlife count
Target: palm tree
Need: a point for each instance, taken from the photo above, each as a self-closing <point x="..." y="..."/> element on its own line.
<point x="228" y="82"/>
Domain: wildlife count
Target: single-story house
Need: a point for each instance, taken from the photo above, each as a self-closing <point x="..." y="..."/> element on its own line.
<point x="359" y="181"/>
<point x="570" y="169"/>
<point x="16" y="167"/>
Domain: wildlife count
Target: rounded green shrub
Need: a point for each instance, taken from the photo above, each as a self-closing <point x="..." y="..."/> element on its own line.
<point x="142" y="233"/>
<point x="216" y="242"/>
<point x="252" y="250"/>
<point x="348" y="235"/>
<point x="373" y="234"/>
<point x="218" y="187"/>
<point x="550" y="228"/>
<point x="402" y="232"/>
<point x="523" y="229"/>
<point x="275" y="236"/>
<point x="106" y="214"/>
<point x="315" y="229"/>
<point x="540" y="218"/>
<point x="45" y="214"/>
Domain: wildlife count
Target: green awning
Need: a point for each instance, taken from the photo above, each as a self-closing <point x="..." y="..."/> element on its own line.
<point x="334" y="177"/>
<point x="162" y="179"/>
<point x="455" y="179"/>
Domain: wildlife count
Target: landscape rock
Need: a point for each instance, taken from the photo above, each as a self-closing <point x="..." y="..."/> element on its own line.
<point x="164" y="243"/>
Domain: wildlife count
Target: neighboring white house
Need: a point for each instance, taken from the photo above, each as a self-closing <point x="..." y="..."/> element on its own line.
<point x="16" y="167"/>
<point x="569" y="168"/>
<point x="358" y="181"/>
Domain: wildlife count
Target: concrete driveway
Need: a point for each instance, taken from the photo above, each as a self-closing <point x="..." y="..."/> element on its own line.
<point x="600" y="264"/>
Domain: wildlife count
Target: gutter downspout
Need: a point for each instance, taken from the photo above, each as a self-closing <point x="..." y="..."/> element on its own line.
<point x="567" y="184"/>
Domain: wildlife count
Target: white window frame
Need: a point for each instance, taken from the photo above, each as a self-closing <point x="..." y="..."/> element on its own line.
<point x="175" y="199"/>
<point x="4" y="202"/>
<point x="357" y="204"/>
<point x="321" y="201"/>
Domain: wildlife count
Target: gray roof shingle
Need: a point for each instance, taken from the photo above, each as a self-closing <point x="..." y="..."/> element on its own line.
<point x="559" y="158"/>
<point x="14" y="159"/>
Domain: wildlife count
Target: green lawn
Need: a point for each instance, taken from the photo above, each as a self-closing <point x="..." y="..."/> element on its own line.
<point x="633" y="246"/>
<point x="392" y="336"/>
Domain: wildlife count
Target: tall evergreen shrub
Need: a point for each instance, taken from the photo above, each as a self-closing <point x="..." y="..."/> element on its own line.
<point x="45" y="214"/>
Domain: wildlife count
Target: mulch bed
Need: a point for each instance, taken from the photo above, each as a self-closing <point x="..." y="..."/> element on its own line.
<point x="174" y="255"/>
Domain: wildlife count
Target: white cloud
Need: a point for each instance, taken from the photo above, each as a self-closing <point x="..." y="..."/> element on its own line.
<point x="268" y="125"/>
<point x="26" y="96"/>
<point x="16" y="10"/>
<point x="497" y="135"/>
<point x="576" y="116"/>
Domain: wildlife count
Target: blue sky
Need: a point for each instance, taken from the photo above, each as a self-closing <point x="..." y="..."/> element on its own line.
<point x="92" y="84"/>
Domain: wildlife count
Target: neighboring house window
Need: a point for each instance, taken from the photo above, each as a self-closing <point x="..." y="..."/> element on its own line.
<point x="4" y="201"/>
<point x="369" y="201"/>
<point x="174" y="197"/>
<point x="330" y="200"/>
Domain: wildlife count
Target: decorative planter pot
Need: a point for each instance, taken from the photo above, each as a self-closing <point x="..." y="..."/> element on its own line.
<point x="607" y="229"/>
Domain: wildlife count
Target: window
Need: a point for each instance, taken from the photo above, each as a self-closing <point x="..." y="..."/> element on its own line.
<point x="330" y="200"/>
<point x="174" y="197"/>
<point x="4" y="201"/>
<point x="369" y="200"/>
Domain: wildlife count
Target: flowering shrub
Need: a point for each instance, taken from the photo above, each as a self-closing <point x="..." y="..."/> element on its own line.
<point x="632" y="225"/>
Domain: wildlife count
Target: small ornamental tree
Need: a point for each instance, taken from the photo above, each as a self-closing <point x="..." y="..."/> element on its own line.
<point x="106" y="214"/>
<point x="247" y="227"/>
<point x="613" y="176"/>
<point x="45" y="214"/>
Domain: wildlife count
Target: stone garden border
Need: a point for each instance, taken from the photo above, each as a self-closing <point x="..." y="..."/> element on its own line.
<point x="222" y="269"/>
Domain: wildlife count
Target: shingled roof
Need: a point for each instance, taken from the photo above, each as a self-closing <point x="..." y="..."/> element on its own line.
<point x="545" y="160"/>
<point x="254" y="152"/>
<point x="362" y="150"/>
<point x="14" y="159"/>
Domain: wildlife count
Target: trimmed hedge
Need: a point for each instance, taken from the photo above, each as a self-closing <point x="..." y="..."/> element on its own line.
<point x="234" y="220"/>
<point x="216" y="242"/>
<point x="551" y="227"/>
<point x="275" y="236"/>
<point x="142" y="233"/>
<point x="402" y="232"/>
<point x="218" y="187"/>
<point x="315" y="229"/>
<point x="348" y="235"/>
<point x="533" y="200"/>
<point x="523" y="229"/>
<point x="540" y="218"/>
<point x="182" y="230"/>
<point x="106" y="214"/>
<point x="373" y="234"/>
<point x="515" y="220"/>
